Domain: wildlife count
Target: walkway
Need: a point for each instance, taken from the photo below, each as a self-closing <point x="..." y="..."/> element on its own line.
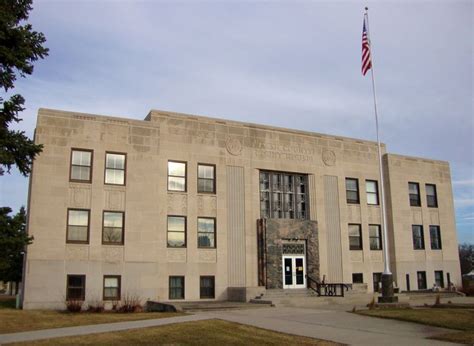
<point x="322" y="323"/>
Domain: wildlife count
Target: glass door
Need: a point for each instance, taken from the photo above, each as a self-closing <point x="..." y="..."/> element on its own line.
<point x="294" y="272"/>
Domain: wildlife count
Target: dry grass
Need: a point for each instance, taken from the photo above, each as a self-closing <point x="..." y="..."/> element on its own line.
<point x="458" y="319"/>
<point x="12" y="321"/>
<point x="209" y="332"/>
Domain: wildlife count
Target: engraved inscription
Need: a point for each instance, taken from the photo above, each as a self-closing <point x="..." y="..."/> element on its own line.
<point x="282" y="151"/>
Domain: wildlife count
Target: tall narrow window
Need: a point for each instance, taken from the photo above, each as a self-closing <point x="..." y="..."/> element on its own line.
<point x="176" y="176"/>
<point x="283" y="195"/>
<point x="112" y="287"/>
<point x="431" y="197"/>
<point x="372" y="190"/>
<point x="421" y="278"/>
<point x="414" y="191"/>
<point x="81" y="165"/>
<point x="207" y="287"/>
<point x="206" y="232"/>
<point x="77" y="226"/>
<point x="439" y="279"/>
<point x="176" y="231"/>
<point x="375" y="235"/>
<point x="352" y="191"/>
<point x="115" y="164"/>
<point x="76" y="287"/>
<point x="176" y="287"/>
<point x="206" y="178"/>
<point x="418" y="238"/>
<point x="435" y="238"/>
<point x="112" y="228"/>
<point x="355" y="237"/>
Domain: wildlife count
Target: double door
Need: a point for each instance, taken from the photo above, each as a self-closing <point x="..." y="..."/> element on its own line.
<point x="294" y="271"/>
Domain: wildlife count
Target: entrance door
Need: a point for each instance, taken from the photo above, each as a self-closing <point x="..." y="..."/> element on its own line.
<point x="294" y="272"/>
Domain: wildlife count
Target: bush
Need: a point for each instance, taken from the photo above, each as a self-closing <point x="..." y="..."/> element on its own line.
<point x="96" y="306"/>
<point x="74" y="305"/>
<point x="131" y="303"/>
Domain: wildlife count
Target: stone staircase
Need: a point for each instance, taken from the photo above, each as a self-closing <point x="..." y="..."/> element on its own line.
<point x="216" y="306"/>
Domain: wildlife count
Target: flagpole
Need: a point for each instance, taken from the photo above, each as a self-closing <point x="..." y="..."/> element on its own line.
<point x="387" y="278"/>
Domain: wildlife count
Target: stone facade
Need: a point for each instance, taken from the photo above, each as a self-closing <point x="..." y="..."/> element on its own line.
<point x="279" y="232"/>
<point x="239" y="152"/>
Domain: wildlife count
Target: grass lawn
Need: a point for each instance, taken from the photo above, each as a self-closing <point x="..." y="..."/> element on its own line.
<point x="12" y="320"/>
<point x="209" y="332"/>
<point x="458" y="319"/>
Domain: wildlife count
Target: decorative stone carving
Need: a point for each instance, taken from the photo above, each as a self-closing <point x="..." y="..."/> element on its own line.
<point x="207" y="256"/>
<point x="176" y="255"/>
<point x="115" y="200"/>
<point x="356" y="256"/>
<point x="233" y="146"/>
<point x="79" y="197"/>
<point x="207" y="205"/>
<point x="77" y="252"/>
<point x="112" y="254"/>
<point x="329" y="157"/>
<point x="177" y="204"/>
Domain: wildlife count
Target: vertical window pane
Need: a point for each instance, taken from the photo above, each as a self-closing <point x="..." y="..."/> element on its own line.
<point x="375" y="235"/>
<point x="78" y="224"/>
<point x="176" y="287"/>
<point x="177" y="169"/>
<point x="352" y="191"/>
<point x="206" y="232"/>
<point x="431" y="198"/>
<point x="355" y="237"/>
<point x="414" y="191"/>
<point x="207" y="287"/>
<point x="76" y="285"/>
<point x="81" y="164"/>
<point x="176" y="231"/>
<point x="372" y="192"/>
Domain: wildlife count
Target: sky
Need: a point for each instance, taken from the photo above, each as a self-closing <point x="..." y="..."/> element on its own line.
<point x="292" y="64"/>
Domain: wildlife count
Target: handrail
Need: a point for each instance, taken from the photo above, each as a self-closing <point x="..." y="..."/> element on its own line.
<point x="327" y="289"/>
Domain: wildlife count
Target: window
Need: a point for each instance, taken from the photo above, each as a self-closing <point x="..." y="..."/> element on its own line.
<point x="439" y="279"/>
<point x="115" y="164"/>
<point x="206" y="232"/>
<point x="431" y="197"/>
<point x="418" y="238"/>
<point x="176" y="231"/>
<point x="176" y="176"/>
<point x="435" y="237"/>
<point x="355" y="237"/>
<point x="206" y="178"/>
<point x="283" y="195"/>
<point x="414" y="191"/>
<point x="176" y="289"/>
<point x="375" y="236"/>
<point x="421" y="278"/>
<point x="357" y="278"/>
<point x="352" y="191"/>
<point x="112" y="227"/>
<point x="81" y="165"/>
<point x="112" y="287"/>
<point x="207" y="288"/>
<point x="377" y="281"/>
<point x="76" y="287"/>
<point x="372" y="190"/>
<point x="77" y="226"/>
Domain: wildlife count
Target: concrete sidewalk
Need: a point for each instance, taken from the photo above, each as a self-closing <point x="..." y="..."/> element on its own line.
<point x="327" y="324"/>
<point x="96" y="328"/>
<point x="335" y="325"/>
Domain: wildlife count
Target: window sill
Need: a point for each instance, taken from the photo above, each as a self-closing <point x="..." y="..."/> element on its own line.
<point x="77" y="243"/>
<point x="177" y="192"/>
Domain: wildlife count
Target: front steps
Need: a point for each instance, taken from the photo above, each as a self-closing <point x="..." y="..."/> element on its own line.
<point x="216" y="306"/>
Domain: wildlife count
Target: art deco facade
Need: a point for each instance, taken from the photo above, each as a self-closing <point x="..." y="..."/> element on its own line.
<point x="192" y="208"/>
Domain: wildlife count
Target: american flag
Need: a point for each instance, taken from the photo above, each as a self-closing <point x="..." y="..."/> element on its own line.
<point x="366" y="59"/>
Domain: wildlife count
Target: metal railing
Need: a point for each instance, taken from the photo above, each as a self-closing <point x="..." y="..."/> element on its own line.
<point x="327" y="289"/>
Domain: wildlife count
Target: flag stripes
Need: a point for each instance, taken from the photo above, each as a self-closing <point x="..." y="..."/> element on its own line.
<point x="366" y="58"/>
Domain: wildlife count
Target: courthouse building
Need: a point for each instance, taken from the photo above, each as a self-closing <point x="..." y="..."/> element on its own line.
<point x="185" y="207"/>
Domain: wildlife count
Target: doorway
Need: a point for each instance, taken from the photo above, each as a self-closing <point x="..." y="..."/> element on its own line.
<point x="294" y="271"/>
